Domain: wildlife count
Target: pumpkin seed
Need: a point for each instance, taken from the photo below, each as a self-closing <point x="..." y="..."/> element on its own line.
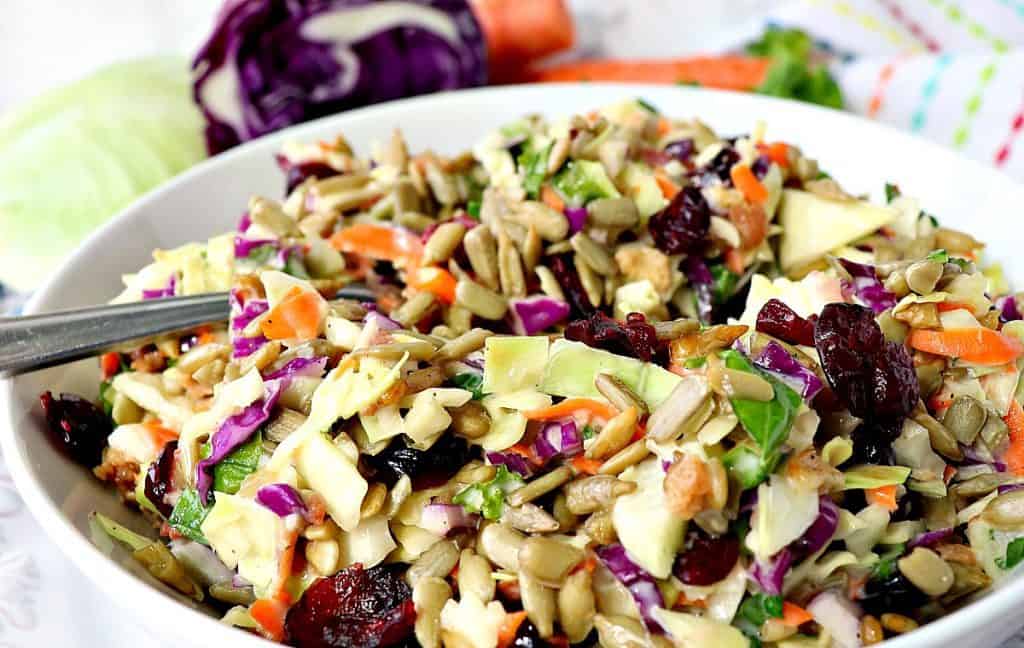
<point x="931" y="574"/>
<point x="414" y="309"/>
<point x="443" y="243"/>
<point x="965" y="418"/>
<point x="501" y="544"/>
<point x="922" y="276"/>
<point x="539" y="604"/>
<point x="548" y="560"/>
<point x="576" y="606"/>
<point x="475" y="576"/>
<point x="551" y="225"/>
<point x="429" y="596"/>
<point x="619" y="213"/>
<point x="482" y="250"/>
<point x="941" y="438"/>
<point x="1006" y="511"/>
<point x="596" y="256"/>
<point x="539" y="486"/>
<point x="479" y="300"/>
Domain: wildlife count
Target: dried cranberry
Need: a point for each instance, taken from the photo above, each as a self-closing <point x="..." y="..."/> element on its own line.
<point x="564" y="269"/>
<point x="355" y="608"/>
<point x="425" y="468"/>
<point x="721" y="164"/>
<point x="296" y="174"/>
<point x="875" y="379"/>
<point x="682" y="226"/>
<point x="634" y="337"/>
<point x="78" y="426"/>
<point x="159" y="478"/>
<point x="680" y="149"/>
<point x="760" y="167"/>
<point x="779" y="320"/>
<point x="706" y="560"/>
<point x="872" y="442"/>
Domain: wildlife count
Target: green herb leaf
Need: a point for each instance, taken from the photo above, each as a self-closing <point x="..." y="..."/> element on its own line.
<point x="488" y="498"/>
<point x="886" y="565"/>
<point x="295" y="266"/>
<point x="792" y="73"/>
<point x="188" y="515"/>
<point x="473" y="208"/>
<point x="534" y="164"/>
<point x="891" y="192"/>
<point x="120" y="533"/>
<point x="234" y="468"/>
<point x="581" y="181"/>
<point x="755" y="610"/>
<point x="588" y="432"/>
<point x="648" y="106"/>
<point x="939" y="255"/>
<point x="724" y="284"/>
<point x="695" y="363"/>
<point x="107" y="397"/>
<point x="260" y="255"/>
<point x="747" y="466"/>
<point x="470" y="382"/>
<point x="767" y="423"/>
<point x="1014" y="554"/>
<point x="776" y="42"/>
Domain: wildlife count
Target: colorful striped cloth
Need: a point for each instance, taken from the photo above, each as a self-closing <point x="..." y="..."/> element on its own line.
<point x="950" y="71"/>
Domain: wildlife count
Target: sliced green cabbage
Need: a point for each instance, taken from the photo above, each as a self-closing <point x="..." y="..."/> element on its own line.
<point x="871" y="476"/>
<point x="692" y="631"/>
<point x="75" y="156"/>
<point x="582" y="181"/>
<point x="246" y="535"/>
<point x="643" y="189"/>
<point x="572" y="367"/>
<point x="368" y="544"/>
<point x="512" y="363"/>
<point x="651" y="533"/>
<point x="782" y="514"/>
<point x="331" y="473"/>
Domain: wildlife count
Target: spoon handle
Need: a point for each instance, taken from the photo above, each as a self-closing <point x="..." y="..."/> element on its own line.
<point x="38" y="341"/>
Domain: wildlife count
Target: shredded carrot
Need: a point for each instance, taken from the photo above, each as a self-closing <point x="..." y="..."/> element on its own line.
<point x="668" y="188"/>
<point x="570" y="406"/>
<point x="976" y="345"/>
<point x="586" y="466"/>
<point x="793" y="615"/>
<point x="110" y="363"/>
<point x="937" y="404"/>
<point x="1014" y="456"/>
<point x="160" y="434"/>
<point x="748" y="184"/>
<point x="509" y="625"/>
<point x="728" y="72"/>
<point x="378" y="242"/>
<point x="550" y="197"/>
<point x="684" y="601"/>
<point x="947" y="473"/>
<point x="735" y="260"/>
<point x="664" y="126"/>
<point x="526" y="452"/>
<point x="204" y="335"/>
<point x="777" y="152"/>
<point x="884" y="496"/>
<point x="436" y="281"/>
<point x="855" y="587"/>
<point x="296" y="316"/>
<point x="269" y="615"/>
<point x="588" y="564"/>
<point x="945" y="307"/>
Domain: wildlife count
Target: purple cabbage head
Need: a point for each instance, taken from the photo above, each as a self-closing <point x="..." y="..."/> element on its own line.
<point x="269" y="63"/>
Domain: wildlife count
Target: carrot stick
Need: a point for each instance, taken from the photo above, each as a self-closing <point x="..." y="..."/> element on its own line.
<point x="586" y="466"/>
<point x="945" y="307"/>
<point x="748" y="184"/>
<point x="161" y="435"/>
<point x="550" y="197"/>
<point x="777" y="152"/>
<point x="437" y="281"/>
<point x="269" y="614"/>
<point x="520" y="32"/>
<point x="571" y="406"/>
<point x="110" y="363"/>
<point x="508" y="628"/>
<point x="297" y="315"/>
<point x="793" y="615"/>
<point x="735" y="261"/>
<point x="976" y="345"/>
<point x="884" y="496"/>
<point x="668" y="188"/>
<point x="728" y="72"/>
<point x="1014" y="456"/>
<point x="378" y="242"/>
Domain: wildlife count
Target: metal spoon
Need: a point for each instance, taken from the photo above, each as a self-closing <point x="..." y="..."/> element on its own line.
<point x="38" y="341"/>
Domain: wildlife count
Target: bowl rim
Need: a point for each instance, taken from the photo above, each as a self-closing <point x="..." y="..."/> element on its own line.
<point x="115" y="580"/>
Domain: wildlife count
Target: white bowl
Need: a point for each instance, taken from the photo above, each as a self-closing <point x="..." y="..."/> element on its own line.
<point x="210" y="198"/>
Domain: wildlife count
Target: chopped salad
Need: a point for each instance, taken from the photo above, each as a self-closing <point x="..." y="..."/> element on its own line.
<point x="624" y="382"/>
